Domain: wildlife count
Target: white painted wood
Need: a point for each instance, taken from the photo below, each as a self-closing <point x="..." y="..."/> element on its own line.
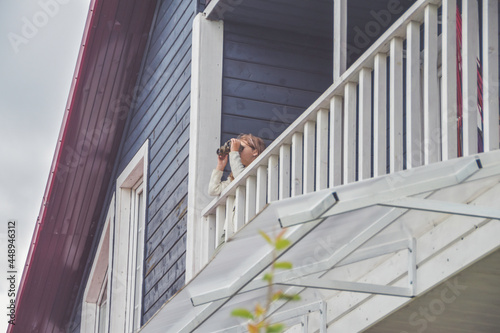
<point x="322" y="149"/>
<point x="220" y="224"/>
<point x="414" y="116"/>
<point x="205" y="126"/>
<point x="251" y="195"/>
<point x="297" y="165"/>
<point x="365" y="124"/>
<point x="309" y="145"/>
<point x="380" y="115"/>
<point x="261" y="195"/>
<point x="490" y="75"/>
<point x="381" y="45"/>
<point x="449" y="80"/>
<point x="210" y="242"/>
<point x="273" y="178"/>
<point x="470" y="44"/>
<point x="432" y="132"/>
<point x="284" y="174"/>
<point x="336" y="116"/>
<point x="230" y="216"/>
<point x="239" y="204"/>
<point x="339" y="38"/>
<point x="349" y="133"/>
<point x="124" y="231"/>
<point x="396" y="105"/>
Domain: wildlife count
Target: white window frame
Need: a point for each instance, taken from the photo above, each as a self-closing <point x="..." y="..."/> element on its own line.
<point x="128" y="252"/>
<point x="99" y="278"/>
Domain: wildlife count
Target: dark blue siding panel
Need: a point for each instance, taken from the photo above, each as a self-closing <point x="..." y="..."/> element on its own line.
<point x="161" y="114"/>
<point x="269" y="78"/>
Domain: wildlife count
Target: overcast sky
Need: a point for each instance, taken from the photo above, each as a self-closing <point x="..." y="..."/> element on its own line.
<point x="39" y="45"/>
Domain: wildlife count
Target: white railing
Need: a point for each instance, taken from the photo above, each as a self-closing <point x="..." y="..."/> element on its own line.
<point x="342" y="137"/>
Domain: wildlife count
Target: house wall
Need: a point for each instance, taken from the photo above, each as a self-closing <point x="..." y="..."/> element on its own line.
<point x="270" y="77"/>
<point x="160" y="113"/>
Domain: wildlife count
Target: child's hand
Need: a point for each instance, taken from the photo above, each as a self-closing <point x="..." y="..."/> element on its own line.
<point x="235" y="144"/>
<point x="221" y="162"/>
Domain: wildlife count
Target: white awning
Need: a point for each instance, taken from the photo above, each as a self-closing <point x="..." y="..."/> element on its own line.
<point x="329" y="229"/>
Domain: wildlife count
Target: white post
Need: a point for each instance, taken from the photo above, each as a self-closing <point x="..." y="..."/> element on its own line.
<point x="322" y="149"/>
<point x="239" y="208"/>
<point x="379" y="114"/>
<point x="432" y="136"/>
<point x="339" y="38"/>
<point x="490" y="74"/>
<point x="272" y="179"/>
<point x="349" y="132"/>
<point x="365" y="124"/>
<point x="396" y="105"/>
<point x="414" y="141"/>
<point x="336" y="115"/>
<point x="449" y="80"/>
<point x="284" y="182"/>
<point x="205" y="127"/>
<point x="220" y="220"/>
<point x="261" y="195"/>
<point x="297" y="163"/>
<point x="470" y="43"/>
<point x="251" y="195"/>
<point x="309" y="137"/>
<point x="230" y="215"/>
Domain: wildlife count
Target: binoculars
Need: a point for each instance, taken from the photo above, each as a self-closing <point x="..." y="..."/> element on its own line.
<point x="226" y="148"/>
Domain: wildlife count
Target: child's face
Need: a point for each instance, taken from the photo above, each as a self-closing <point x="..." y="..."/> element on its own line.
<point x="247" y="154"/>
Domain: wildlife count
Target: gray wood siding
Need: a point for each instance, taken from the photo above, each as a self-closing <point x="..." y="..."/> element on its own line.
<point x="270" y="78"/>
<point x="160" y="113"/>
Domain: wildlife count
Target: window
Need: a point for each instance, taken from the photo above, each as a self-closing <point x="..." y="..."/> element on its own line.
<point x="112" y="301"/>
<point x="128" y="245"/>
<point x="95" y="307"/>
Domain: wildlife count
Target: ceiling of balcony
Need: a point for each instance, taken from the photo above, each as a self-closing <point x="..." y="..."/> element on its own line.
<point x="367" y="19"/>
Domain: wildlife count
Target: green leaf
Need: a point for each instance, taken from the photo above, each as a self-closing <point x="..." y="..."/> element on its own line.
<point x="275" y="328"/>
<point x="266" y="237"/>
<point x="283" y="265"/>
<point x="282" y="244"/>
<point x="243" y="313"/>
<point x="267" y="277"/>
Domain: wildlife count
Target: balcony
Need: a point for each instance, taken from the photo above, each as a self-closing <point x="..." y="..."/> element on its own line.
<point x="396" y="108"/>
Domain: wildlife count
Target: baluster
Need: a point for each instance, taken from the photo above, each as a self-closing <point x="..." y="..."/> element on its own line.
<point x="432" y="135"/>
<point x="449" y="80"/>
<point x="309" y="137"/>
<point x="297" y="140"/>
<point x="470" y="44"/>
<point x="239" y="213"/>
<point x="414" y="141"/>
<point x="396" y="105"/>
<point x="322" y="149"/>
<point x="220" y="220"/>
<point x="349" y="132"/>
<point x="490" y="74"/>
<point x="230" y="210"/>
<point x="261" y="195"/>
<point x="209" y="242"/>
<point x="273" y="180"/>
<point x="251" y="195"/>
<point x="379" y="114"/>
<point x="284" y="174"/>
<point x="336" y="115"/>
<point x="365" y="124"/>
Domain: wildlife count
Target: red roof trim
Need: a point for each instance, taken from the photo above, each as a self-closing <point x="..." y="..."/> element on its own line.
<point x="107" y="67"/>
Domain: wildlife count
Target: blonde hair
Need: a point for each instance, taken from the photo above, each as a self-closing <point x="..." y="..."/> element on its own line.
<point x="253" y="142"/>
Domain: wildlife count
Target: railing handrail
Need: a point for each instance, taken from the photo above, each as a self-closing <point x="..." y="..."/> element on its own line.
<point x="381" y="45"/>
